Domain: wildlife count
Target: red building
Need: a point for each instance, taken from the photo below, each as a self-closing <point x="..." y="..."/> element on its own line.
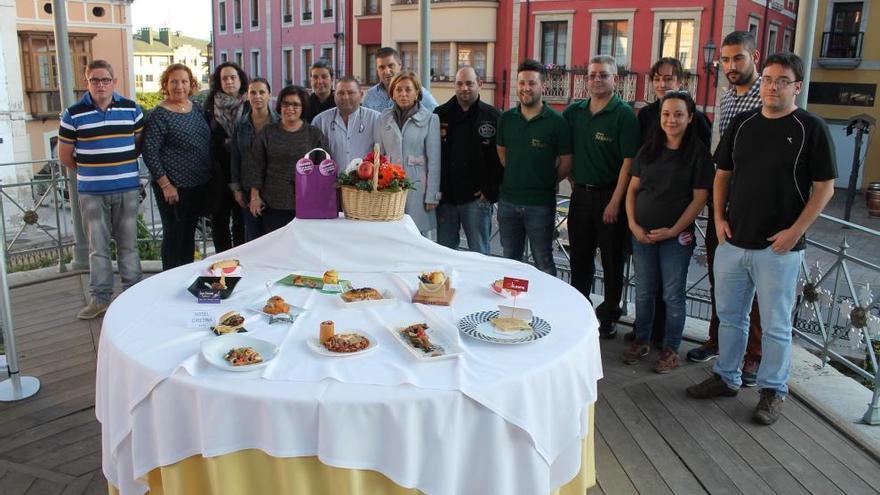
<point x="566" y="33"/>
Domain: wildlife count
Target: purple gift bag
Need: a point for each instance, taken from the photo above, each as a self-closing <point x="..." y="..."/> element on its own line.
<point x="316" y="187"/>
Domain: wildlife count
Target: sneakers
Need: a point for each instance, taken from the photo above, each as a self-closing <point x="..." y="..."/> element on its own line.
<point x="711" y="387"/>
<point x="750" y="372"/>
<point x="607" y="330"/>
<point x="635" y="352"/>
<point x="92" y="311"/>
<point x="668" y="361"/>
<point x="768" y="408"/>
<point x="705" y="352"/>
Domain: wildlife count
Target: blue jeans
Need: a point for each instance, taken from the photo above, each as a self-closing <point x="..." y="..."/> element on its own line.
<point x="109" y="217"/>
<point x="739" y="274"/>
<point x="664" y="264"/>
<point x="476" y="219"/>
<point x="518" y="222"/>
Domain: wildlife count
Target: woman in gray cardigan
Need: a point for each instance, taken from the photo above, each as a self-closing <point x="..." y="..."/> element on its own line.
<point x="409" y="134"/>
<point x="273" y="157"/>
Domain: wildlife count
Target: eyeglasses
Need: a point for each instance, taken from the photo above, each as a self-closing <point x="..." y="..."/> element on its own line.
<point x="100" y="81"/>
<point x="289" y="104"/>
<point x="602" y="76"/>
<point x="781" y="83"/>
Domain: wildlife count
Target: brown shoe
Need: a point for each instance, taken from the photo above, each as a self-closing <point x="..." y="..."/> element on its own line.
<point x="635" y="352"/>
<point x="769" y="407"/>
<point x="668" y="361"/>
<point x="749" y="373"/>
<point x="711" y="387"/>
<point x="92" y="311"/>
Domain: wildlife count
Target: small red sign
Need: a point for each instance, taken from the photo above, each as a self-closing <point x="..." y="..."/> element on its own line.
<point x="519" y="284"/>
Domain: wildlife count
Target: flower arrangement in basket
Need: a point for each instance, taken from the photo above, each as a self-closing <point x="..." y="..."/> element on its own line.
<point x="374" y="188"/>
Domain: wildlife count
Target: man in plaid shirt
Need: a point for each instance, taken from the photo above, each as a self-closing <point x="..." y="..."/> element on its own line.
<point x="739" y="59"/>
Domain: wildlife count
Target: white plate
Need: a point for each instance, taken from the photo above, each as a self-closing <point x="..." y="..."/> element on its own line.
<point x="257" y="306"/>
<point x="386" y="300"/>
<point x="315" y="345"/>
<point x="214" y="349"/>
<point x="437" y="337"/>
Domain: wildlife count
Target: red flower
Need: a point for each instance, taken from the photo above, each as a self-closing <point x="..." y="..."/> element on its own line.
<point x="369" y="158"/>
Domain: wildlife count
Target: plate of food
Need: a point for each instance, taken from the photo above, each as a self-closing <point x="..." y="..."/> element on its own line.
<point x="227" y="267"/>
<point x="236" y="352"/>
<point x="497" y="288"/>
<point x="492" y="326"/>
<point x="229" y="322"/>
<point x="426" y="343"/>
<point x="205" y="287"/>
<point x="350" y="343"/>
<point x="365" y="296"/>
<point x="328" y="283"/>
<point x="274" y="305"/>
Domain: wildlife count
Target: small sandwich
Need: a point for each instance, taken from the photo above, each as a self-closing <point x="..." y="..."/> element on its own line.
<point x="510" y="324"/>
<point x="229" y="322"/>
<point x="225" y="267"/>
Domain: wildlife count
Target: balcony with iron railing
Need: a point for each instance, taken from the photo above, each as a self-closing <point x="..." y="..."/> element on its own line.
<point x="416" y="2"/>
<point x="564" y="85"/>
<point x="841" y="50"/>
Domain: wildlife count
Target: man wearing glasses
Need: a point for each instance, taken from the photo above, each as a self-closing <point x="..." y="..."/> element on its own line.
<point x="775" y="175"/>
<point x="100" y="138"/>
<point x="605" y="138"/>
<point x="739" y="59"/>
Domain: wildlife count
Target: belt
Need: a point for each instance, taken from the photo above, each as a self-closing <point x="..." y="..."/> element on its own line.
<point x="591" y="187"/>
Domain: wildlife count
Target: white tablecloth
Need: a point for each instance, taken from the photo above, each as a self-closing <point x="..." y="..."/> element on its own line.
<point x="498" y="419"/>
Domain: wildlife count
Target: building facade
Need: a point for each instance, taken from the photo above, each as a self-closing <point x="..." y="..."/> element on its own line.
<point x="844" y="80"/>
<point x="155" y="50"/>
<point x="280" y="39"/>
<point x="30" y="103"/>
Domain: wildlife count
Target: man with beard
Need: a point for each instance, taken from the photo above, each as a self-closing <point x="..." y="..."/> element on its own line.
<point x="321" y="81"/>
<point x="534" y="146"/>
<point x="739" y="59"/>
<point x="388" y="66"/>
<point x="775" y="175"/>
<point x="349" y="126"/>
<point x="606" y="138"/>
<point x="470" y="172"/>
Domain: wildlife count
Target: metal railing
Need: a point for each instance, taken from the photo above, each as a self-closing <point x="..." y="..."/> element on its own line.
<point x="842" y="45"/>
<point x="36" y="214"/>
<point x="567" y="85"/>
<point x="690" y="83"/>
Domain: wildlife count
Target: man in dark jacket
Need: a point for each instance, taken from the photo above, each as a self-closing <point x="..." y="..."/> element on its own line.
<point x="470" y="172"/>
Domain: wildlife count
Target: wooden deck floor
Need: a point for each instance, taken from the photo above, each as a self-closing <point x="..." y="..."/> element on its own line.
<point x="650" y="439"/>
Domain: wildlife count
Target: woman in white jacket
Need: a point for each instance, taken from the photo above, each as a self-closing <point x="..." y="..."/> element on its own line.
<point x="409" y="134"/>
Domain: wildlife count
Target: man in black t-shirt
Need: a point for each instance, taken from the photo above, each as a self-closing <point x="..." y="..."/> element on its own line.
<point x="775" y="175"/>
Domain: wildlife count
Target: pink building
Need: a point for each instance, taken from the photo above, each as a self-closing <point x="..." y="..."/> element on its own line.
<point x="279" y="39"/>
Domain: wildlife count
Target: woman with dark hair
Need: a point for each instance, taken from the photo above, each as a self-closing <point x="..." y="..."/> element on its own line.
<point x="409" y="133"/>
<point x="247" y="128"/>
<point x="270" y="172"/>
<point x="671" y="178"/>
<point x="224" y="105"/>
<point x="176" y="151"/>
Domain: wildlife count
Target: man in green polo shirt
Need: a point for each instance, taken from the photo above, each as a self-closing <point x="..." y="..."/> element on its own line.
<point x="605" y="135"/>
<point x="531" y="139"/>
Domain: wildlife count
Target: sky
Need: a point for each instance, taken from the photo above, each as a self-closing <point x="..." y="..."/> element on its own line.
<point x="192" y="17"/>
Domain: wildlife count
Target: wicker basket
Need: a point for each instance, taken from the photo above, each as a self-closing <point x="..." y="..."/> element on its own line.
<point x="381" y="206"/>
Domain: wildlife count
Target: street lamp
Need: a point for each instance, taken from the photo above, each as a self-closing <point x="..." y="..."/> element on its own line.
<point x="709" y="66"/>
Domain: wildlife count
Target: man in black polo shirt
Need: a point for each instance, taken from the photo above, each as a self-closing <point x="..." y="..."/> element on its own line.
<point x="470" y="171"/>
<point x="775" y="175"/>
<point x="321" y="81"/>
<point x="605" y="136"/>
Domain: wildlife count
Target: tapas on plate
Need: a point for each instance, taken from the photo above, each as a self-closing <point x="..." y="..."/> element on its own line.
<point x="238" y="352"/>
<point x="425" y="343"/>
<point x="330" y="343"/>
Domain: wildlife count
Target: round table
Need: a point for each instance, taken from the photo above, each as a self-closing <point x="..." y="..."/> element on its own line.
<point x="497" y="419"/>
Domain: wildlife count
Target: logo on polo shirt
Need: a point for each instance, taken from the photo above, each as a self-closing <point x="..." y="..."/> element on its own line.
<point x="486" y="130"/>
<point x="537" y="143"/>
<point x="600" y="136"/>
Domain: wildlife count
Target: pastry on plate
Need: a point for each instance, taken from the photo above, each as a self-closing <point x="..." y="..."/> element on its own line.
<point x="510" y="324"/>
<point x="276" y="305"/>
<point x="331" y="277"/>
<point x="362" y="294"/>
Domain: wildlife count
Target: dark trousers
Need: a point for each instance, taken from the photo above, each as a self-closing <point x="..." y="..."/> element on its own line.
<point x="253" y="226"/>
<point x="275" y="219"/>
<point x="178" y="235"/>
<point x="753" y="346"/>
<point x="227" y="215"/>
<point x="586" y="232"/>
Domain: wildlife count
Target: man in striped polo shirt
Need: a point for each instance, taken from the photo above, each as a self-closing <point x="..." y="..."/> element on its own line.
<point x="100" y="138"/>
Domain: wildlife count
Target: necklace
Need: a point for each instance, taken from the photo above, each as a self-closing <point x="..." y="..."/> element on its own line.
<point x="178" y="107"/>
